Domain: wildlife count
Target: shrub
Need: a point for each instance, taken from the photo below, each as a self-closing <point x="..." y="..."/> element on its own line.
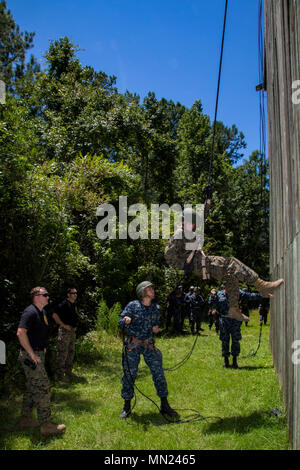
<point x="113" y="318"/>
<point x="102" y="316"/>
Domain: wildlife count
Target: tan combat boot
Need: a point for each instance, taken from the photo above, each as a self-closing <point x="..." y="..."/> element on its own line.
<point x="28" y="422"/>
<point x="265" y="287"/>
<point x="49" y="429"/>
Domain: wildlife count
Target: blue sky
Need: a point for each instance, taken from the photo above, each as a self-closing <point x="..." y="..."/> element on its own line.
<point x="170" y="47"/>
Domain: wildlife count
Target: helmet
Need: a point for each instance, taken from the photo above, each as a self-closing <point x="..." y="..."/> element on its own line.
<point x="141" y="287"/>
<point x="196" y="289"/>
<point x="192" y="288"/>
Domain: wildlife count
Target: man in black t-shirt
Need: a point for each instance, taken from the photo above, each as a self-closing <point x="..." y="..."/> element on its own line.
<point x="65" y="316"/>
<point x="33" y="337"/>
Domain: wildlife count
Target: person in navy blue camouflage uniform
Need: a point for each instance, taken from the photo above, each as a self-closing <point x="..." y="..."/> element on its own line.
<point x="231" y="327"/>
<point x="263" y="309"/>
<point x="176" y="309"/>
<point x="213" y="314"/>
<point x="140" y="318"/>
<point x="187" y="302"/>
<point x="197" y="303"/>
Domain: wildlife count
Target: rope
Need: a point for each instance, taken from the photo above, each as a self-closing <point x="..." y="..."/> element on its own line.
<point x="196" y="416"/>
<point x="217" y="98"/>
<point x="252" y="354"/>
<point x="184" y="360"/>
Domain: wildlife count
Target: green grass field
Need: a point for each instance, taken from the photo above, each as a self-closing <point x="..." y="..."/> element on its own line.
<point x="235" y="403"/>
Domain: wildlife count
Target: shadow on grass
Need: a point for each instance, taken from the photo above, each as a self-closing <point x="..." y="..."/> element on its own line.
<point x="68" y="399"/>
<point x="254" y="367"/>
<point x="11" y="432"/>
<point x="243" y="424"/>
<point x="146" y="420"/>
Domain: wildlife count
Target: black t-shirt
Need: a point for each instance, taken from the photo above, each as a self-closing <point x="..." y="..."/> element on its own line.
<point x="35" y="322"/>
<point x="67" y="312"/>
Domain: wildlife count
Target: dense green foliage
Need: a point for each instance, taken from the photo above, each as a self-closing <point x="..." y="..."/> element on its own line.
<point x="70" y="141"/>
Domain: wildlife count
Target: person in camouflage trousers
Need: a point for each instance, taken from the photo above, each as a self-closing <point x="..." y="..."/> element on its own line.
<point x="229" y="270"/>
<point x="33" y="337"/>
<point x="65" y="316"/>
<point x="140" y="319"/>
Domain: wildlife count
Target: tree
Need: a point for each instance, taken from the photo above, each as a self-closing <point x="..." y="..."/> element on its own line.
<point x="13" y="47"/>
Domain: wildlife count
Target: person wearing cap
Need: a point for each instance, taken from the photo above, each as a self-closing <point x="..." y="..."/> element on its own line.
<point x="32" y="334"/>
<point x="230" y="270"/>
<point x="197" y="303"/>
<point x="140" y="319"/>
<point x="213" y="314"/>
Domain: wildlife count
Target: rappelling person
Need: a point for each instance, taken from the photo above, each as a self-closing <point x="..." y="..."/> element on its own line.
<point x="140" y="319"/>
<point x="230" y="271"/>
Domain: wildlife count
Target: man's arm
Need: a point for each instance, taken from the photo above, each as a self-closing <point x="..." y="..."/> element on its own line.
<point x="59" y="322"/>
<point x="24" y="341"/>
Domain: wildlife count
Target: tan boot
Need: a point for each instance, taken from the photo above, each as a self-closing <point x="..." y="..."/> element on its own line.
<point x="49" y="429"/>
<point x="28" y="422"/>
<point x="265" y="287"/>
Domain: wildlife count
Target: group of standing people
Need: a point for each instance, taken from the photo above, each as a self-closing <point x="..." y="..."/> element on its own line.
<point x="140" y="320"/>
<point x="192" y="304"/>
<point x="182" y="305"/>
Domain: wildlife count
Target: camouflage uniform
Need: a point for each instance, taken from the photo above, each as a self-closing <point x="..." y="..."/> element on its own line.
<point x="263" y="310"/>
<point x="65" y="351"/>
<point x="229" y="327"/>
<point x="187" y="304"/>
<point x="140" y="341"/>
<point x="37" y="391"/>
<point x="197" y="303"/>
<point x="176" y="310"/>
<point x="214" y="318"/>
<point x="230" y="271"/>
<point x="68" y="314"/>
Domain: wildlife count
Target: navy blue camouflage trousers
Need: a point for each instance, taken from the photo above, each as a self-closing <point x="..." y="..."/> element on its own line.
<point x="131" y="360"/>
<point x="230" y="328"/>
